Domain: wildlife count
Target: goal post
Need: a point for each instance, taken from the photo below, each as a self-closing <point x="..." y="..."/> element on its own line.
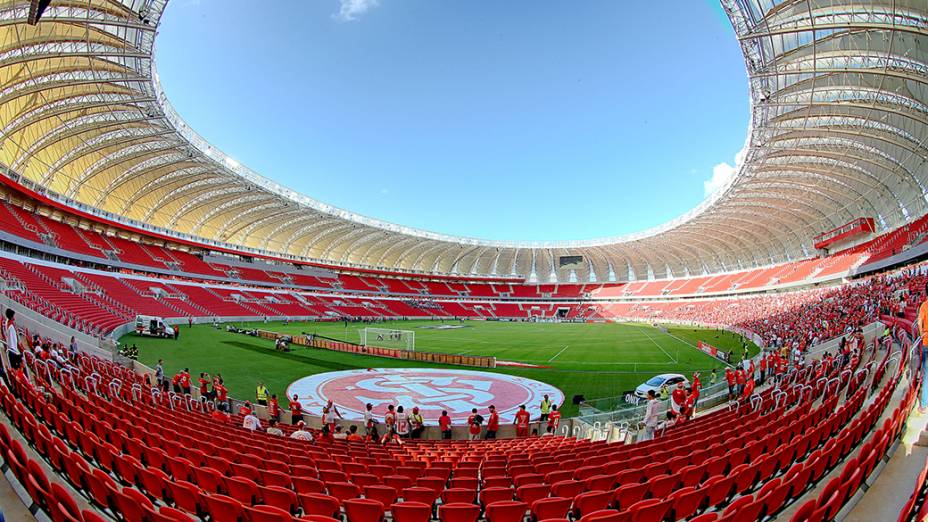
<point x="389" y="338"/>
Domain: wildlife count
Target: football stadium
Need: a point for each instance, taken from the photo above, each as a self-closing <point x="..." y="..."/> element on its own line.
<point x="185" y="338"/>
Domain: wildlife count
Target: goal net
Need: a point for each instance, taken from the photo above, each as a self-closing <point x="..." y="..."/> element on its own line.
<point x="389" y="338"/>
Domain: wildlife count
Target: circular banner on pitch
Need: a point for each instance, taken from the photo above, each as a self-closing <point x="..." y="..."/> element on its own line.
<point x="456" y="391"/>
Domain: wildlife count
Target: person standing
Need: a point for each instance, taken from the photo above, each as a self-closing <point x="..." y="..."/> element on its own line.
<point x="417" y="423"/>
<point x="261" y="394"/>
<point x="554" y="418"/>
<point x="12" y="340"/>
<point x="389" y="418"/>
<point x="492" y="423"/>
<point x="444" y="424"/>
<point x="159" y="373"/>
<point x="651" y="417"/>
<point x="296" y="410"/>
<point x="522" y="421"/>
<point x="185" y="381"/>
<point x="369" y="422"/>
<point x="273" y="408"/>
<point x="402" y="423"/>
<point x="545" y="408"/>
<point x="474" y="421"/>
<point x="923" y="330"/>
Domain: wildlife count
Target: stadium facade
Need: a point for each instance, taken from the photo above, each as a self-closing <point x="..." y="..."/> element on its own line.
<point x="838" y="131"/>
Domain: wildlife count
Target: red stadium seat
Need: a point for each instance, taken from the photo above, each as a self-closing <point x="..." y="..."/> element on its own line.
<point x="458" y="512"/>
<point x="506" y="511"/>
<point x="264" y="513"/>
<point x="411" y="512"/>
<point x="319" y="504"/>
<point x="551" y="507"/>
<point x="364" y="510"/>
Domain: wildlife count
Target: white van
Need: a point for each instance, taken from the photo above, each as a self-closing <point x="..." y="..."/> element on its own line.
<point x="154" y="326"/>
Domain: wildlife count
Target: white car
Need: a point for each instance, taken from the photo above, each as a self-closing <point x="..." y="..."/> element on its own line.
<point x="655" y="383"/>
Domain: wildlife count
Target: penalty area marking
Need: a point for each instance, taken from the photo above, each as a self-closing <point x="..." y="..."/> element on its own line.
<point x="558" y="353"/>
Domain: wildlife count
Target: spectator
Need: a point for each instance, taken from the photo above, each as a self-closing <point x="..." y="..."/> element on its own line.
<point x="353" y="434"/>
<point x="444" y="425"/>
<point x="417" y="423"/>
<point x="251" y="422"/>
<point x="522" y="421"/>
<point x="300" y="433"/>
<point x="272" y="428"/>
<point x="650" y="416"/>
<point x="492" y="423"/>
<point x="296" y="410"/>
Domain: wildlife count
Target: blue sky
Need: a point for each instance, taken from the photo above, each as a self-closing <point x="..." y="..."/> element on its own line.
<point x="522" y="119"/>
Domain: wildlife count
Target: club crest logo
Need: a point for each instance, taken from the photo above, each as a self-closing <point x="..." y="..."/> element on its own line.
<point x="455" y="391"/>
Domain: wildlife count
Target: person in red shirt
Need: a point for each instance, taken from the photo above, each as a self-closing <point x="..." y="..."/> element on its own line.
<point x="522" y="420"/>
<point x="221" y="416"/>
<point x="678" y="398"/>
<point x="473" y="421"/>
<point x="554" y="418"/>
<point x="185" y="381"/>
<point x="245" y="409"/>
<point x="389" y="418"/>
<point x="222" y="395"/>
<point x="203" y="382"/>
<point x="492" y="423"/>
<point x="444" y="424"/>
<point x="749" y="388"/>
<point x="740" y="379"/>
<point x="730" y="378"/>
<point x="273" y="408"/>
<point x="296" y="410"/>
<point x="175" y="382"/>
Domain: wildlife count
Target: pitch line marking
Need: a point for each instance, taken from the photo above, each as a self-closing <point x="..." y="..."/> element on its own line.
<point x="558" y="353"/>
<point x="658" y="346"/>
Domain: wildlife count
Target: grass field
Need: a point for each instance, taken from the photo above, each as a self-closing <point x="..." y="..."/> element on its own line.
<point x="596" y="360"/>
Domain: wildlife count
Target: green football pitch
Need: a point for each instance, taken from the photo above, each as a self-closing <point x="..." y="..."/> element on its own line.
<point x="597" y="360"/>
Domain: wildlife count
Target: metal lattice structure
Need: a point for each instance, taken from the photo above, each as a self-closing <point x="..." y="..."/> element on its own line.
<point x="839" y="123"/>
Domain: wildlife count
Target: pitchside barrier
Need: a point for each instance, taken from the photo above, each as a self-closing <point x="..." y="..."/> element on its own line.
<point x="325" y="343"/>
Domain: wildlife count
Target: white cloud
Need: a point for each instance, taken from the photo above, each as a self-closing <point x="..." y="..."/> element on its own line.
<point x="385" y="191"/>
<point x="350" y="10"/>
<point x="721" y="174"/>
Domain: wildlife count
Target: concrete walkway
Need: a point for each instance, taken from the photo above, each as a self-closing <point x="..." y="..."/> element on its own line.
<point x="891" y="490"/>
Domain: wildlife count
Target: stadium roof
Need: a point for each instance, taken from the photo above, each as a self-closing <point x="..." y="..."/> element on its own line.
<point x="839" y="130"/>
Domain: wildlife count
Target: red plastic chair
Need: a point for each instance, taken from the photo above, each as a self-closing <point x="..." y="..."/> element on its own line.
<point x="281" y="498"/>
<point x="417" y="494"/>
<point x="567" y="488"/>
<point x="62" y="502"/>
<point x="210" y="480"/>
<point x="308" y="485"/>
<point x="242" y="489"/>
<point x="606" y="515"/>
<point x="459" y="496"/>
<point x="364" y="510"/>
<point x="264" y="513"/>
<point x="223" y="508"/>
<point x="384" y="494"/>
<point x="591" y="501"/>
<point x="131" y="502"/>
<point x="706" y="517"/>
<point x="629" y="494"/>
<point x="532" y="493"/>
<point x="506" y="511"/>
<point x="343" y="490"/>
<point x="651" y="510"/>
<point x="319" y="504"/>
<point x="491" y="495"/>
<point x="90" y="516"/>
<point x="551" y="507"/>
<point x="458" y="512"/>
<point x="187" y="497"/>
<point x="154" y="482"/>
<point x="411" y="512"/>
<point x="686" y="501"/>
<point x="174" y="515"/>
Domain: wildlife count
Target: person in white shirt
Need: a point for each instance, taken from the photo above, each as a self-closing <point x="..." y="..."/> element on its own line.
<point x="12" y="340"/>
<point x="650" y="416"/>
<point x="339" y="434"/>
<point x="272" y="429"/>
<point x="300" y="433"/>
<point x="402" y="423"/>
<point x="251" y="422"/>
